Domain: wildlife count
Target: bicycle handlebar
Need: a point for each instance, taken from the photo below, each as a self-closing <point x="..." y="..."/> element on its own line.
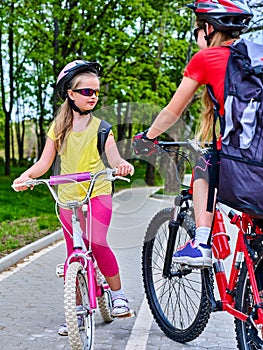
<point x="73" y="178"/>
<point x="192" y="144"/>
<point x="63" y="179"/>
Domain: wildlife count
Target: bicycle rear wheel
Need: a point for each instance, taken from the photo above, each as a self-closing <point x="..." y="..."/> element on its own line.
<point x="179" y="304"/>
<point x="79" y="316"/>
<point x="245" y="335"/>
<point x="105" y="306"/>
<point x="104" y="302"/>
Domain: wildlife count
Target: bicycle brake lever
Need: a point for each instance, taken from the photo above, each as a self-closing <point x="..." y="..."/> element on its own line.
<point x="110" y="176"/>
<point x="26" y="184"/>
<point x="121" y="178"/>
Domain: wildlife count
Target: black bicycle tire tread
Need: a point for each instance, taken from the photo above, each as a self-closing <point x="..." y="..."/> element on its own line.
<point x="241" y="284"/>
<point x="204" y="314"/>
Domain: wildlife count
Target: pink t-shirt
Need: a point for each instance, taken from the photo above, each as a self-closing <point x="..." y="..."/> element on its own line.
<point x="208" y="66"/>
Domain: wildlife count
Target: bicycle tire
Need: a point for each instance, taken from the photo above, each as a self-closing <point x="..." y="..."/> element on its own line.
<point x="104" y="302"/>
<point x="245" y="303"/>
<point x="180" y="305"/>
<point x="105" y="306"/>
<point x="79" y="317"/>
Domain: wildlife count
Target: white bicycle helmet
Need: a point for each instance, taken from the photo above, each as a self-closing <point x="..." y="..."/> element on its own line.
<point x="71" y="70"/>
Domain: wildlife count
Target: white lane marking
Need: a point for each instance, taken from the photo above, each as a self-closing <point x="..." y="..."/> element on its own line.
<point x="28" y="260"/>
<point x="141" y="328"/>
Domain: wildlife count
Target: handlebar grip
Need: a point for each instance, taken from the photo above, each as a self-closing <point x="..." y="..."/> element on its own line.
<point x="67" y="178"/>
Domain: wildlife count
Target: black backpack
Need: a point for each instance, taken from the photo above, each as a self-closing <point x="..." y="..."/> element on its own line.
<point x="240" y="169"/>
<point x="103" y="133"/>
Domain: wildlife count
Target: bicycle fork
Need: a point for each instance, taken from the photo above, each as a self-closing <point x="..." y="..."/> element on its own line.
<point x="173" y="228"/>
<point x="176" y="221"/>
<point x="92" y="285"/>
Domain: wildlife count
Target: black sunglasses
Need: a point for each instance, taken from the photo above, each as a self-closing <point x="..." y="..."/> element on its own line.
<point x="87" y="92"/>
<point x="196" y="30"/>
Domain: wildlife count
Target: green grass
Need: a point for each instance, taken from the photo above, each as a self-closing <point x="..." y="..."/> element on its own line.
<point x="29" y="215"/>
<point x="24" y="216"/>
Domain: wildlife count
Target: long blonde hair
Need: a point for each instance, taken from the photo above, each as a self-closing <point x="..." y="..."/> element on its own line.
<point x="206" y="125"/>
<point x="64" y="116"/>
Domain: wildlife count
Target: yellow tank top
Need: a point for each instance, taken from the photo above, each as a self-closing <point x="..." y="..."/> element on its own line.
<point x="80" y="155"/>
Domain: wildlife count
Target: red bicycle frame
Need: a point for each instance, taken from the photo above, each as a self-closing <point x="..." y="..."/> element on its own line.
<point x="227" y="288"/>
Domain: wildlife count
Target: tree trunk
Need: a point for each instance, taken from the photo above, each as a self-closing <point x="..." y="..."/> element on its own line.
<point x="8" y="111"/>
<point x="12" y="144"/>
<point x="149" y="175"/>
<point x="7" y="144"/>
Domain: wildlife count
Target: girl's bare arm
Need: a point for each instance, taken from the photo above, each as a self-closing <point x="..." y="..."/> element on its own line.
<point x="114" y="158"/>
<point x="172" y="112"/>
<point x="40" y="167"/>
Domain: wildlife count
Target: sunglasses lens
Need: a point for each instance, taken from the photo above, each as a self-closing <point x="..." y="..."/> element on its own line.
<point x="88" y="92"/>
<point x="196" y="31"/>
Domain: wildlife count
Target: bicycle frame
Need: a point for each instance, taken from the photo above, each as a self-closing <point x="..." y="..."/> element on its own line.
<point x="226" y="288"/>
<point x="244" y="223"/>
<point x="85" y="258"/>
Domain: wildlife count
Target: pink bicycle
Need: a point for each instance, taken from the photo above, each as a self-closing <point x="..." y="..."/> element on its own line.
<point x="85" y="287"/>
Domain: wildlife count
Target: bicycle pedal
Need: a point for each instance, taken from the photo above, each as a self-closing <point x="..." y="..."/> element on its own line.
<point x="60" y="270"/>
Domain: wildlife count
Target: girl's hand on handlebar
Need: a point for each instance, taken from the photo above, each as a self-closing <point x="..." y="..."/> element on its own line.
<point x="124" y="168"/>
<point x="142" y="145"/>
<point x="21" y="180"/>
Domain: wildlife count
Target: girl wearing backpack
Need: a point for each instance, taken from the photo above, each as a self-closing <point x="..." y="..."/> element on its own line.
<point x="74" y="135"/>
<point x="218" y="24"/>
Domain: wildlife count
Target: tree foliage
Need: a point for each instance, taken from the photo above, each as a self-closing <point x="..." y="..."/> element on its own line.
<point x="143" y="47"/>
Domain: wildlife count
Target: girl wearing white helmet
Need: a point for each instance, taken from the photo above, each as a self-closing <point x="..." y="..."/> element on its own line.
<point x="73" y="135"/>
<point x="218" y="24"/>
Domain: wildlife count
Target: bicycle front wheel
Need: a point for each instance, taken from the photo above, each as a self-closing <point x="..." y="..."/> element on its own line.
<point x="247" y="337"/>
<point x="179" y="304"/>
<point x="79" y="316"/>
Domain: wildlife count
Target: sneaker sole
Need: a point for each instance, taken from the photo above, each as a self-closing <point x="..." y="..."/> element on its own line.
<point x="63" y="334"/>
<point x="120" y="314"/>
<point x="195" y="262"/>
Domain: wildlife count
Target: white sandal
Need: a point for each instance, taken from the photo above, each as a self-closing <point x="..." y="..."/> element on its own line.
<point x="120" y="307"/>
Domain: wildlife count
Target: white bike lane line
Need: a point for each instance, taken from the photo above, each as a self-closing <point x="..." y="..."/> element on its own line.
<point x="141" y="328"/>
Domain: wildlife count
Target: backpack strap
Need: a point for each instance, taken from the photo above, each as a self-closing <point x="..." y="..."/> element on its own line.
<point x="214" y="173"/>
<point x="103" y="133"/>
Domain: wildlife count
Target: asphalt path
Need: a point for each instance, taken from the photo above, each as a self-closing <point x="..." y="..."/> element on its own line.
<point x="31" y="295"/>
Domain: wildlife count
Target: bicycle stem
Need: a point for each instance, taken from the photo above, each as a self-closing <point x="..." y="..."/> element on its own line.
<point x="77" y="236"/>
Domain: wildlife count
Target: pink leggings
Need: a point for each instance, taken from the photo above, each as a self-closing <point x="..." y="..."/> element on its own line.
<point x="101" y="207"/>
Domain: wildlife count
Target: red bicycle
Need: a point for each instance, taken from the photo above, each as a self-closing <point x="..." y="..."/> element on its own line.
<point x="181" y="298"/>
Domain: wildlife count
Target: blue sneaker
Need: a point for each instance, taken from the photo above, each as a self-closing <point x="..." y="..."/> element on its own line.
<point x="199" y="256"/>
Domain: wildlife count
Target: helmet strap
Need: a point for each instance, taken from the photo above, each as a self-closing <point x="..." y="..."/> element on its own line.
<point x="76" y="109"/>
<point x="209" y="36"/>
